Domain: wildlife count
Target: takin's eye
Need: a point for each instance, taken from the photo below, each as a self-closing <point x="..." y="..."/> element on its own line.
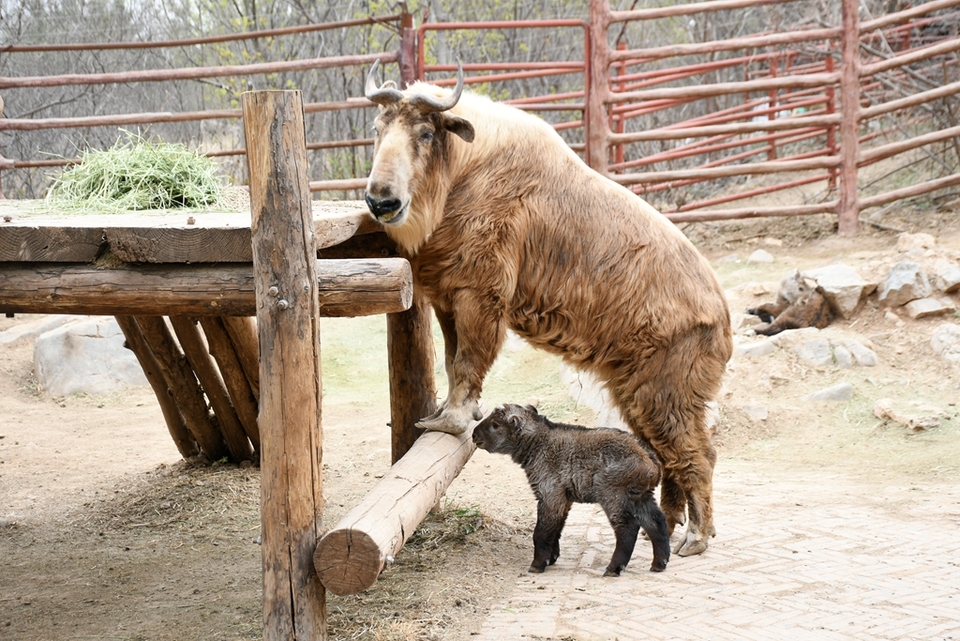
<point x="426" y="137"/>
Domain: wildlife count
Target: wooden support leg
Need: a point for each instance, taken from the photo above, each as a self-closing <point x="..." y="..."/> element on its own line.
<point x="195" y="349"/>
<point x="288" y="315"/>
<point x="184" y="441"/>
<point x="413" y="389"/>
<point x="243" y="334"/>
<point x="184" y="386"/>
<point x="237" y="383"/>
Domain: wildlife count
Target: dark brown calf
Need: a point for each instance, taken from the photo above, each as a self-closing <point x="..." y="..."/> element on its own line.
<point x="568" y="464"/>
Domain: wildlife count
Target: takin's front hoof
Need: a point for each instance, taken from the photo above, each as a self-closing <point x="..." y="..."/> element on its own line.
<point x="609" y="572"/>
<point x="535" y="570"/>
<point x="441" y="424"/>
<point x="690" y="545"/>
<point x="658" y="566"/>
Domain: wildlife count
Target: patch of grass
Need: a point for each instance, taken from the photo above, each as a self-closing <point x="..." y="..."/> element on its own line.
<point x="137" y="174"/>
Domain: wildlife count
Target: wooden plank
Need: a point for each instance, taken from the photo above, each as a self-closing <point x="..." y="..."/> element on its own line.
<point x="350" y="557"/>
<point x="31" y="231"/>
<point x="242" y="331"/>
<point x="288" y="310"/>
<point x="349" y="287"/>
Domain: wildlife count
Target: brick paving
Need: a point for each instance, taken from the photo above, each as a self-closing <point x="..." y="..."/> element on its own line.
<point x="808" y="556"/>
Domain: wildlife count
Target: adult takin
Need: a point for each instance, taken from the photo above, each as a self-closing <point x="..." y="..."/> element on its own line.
<point x="568" y="464"/>
<point x="505" y="227"/>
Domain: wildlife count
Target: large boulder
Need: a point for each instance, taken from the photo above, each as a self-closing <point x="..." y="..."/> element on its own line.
<point x="86" y="356"/>
<point x="905" y="282"/>
<point x="946" y="342"/>
<point x="842" y="286"/>
<point x="946" y="275"/>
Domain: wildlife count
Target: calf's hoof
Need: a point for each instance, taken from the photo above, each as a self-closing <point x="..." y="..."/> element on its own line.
<point x="658" y="565"/>
<point x="612" y="572"/>
<point x="535" y="570"/>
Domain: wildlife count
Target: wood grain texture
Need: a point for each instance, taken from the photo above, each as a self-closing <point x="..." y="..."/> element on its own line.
<point x="186" y="444"/>
<point x="350" y="557"/>
<point x="288" y="310"/>
<point x="195" y="349"/>
<point x="350" y="287"/>
<point x="413" y="388"/>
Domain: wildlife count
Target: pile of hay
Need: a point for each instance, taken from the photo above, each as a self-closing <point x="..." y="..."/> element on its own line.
<point x="137" y="174"/>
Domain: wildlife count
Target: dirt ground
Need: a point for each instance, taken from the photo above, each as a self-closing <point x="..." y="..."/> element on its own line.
<point x="106" y="534"/>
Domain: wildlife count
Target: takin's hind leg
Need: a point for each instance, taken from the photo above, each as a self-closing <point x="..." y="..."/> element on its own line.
<point x="626" y="527"/>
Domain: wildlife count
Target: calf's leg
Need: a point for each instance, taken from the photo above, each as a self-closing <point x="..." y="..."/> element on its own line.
<point x="654" y="523"/>
<point x="626" y="526"/>
<point x="551" y="515"/>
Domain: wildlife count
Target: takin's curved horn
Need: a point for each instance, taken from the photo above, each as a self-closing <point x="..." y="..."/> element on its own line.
<point x="429" y="104"/>
<point x="386" y="95"/>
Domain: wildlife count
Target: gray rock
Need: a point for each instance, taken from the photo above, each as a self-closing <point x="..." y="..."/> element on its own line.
<point x="905" y="282"/>
<point x="946" y="276"/>
<point x="946" y="342"/>
<point x="86" y="356"/>
<point x="816" y="352"/>
<point x="926" y="307"/>
<point x="842" y="286"/>
<point x="907" y="242"/>
<point x="841" y="392"/>
<point x="759" y="348"/>
<point x="756" y="412"/>
<point x="32" y="329"/>
<point x="864" y="356"/>
<point x="928" y="418"/>
<point x="842" y="357"/>
<point x="760" y="256"/>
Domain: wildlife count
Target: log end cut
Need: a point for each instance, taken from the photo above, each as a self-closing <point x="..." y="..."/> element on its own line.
<point x="348" y="561"/>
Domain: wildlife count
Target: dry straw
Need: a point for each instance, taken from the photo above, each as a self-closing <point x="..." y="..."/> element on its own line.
<point x="137" y="174"/>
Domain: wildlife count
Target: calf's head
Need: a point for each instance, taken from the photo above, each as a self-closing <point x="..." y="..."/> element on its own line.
<point x="412" y="137"/>
<point x="505" y="428"/>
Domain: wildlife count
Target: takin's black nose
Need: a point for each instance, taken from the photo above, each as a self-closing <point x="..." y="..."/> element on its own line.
<point x="381" y="207"/>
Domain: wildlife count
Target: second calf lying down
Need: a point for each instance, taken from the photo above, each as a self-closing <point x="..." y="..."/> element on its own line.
<point x="568" y="464"/>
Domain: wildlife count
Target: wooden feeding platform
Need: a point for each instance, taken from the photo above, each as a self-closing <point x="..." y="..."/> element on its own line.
<point x="185" y="287"/>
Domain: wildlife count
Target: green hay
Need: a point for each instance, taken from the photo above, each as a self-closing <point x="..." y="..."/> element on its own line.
<point x="136" y="174"/>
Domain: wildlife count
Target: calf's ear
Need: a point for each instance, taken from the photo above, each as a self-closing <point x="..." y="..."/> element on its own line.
<point x="458" y="126"/>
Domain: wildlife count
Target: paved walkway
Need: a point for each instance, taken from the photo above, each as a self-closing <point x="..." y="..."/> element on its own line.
<point x="817" y="557"/>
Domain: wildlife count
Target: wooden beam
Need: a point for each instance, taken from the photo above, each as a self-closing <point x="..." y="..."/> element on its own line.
<point x="183" y="385"/>
<point x="242" y="331"/>
<point x="31" y="231"/>
<point x="288" y="311"/>
<point x="198" y="355"/>
<point x="241" y="393"/>
<point x="413" y="389"/>
<point x="186" y="444"/>
<point x="350" y="557"/>
<point x="350" y="287"/>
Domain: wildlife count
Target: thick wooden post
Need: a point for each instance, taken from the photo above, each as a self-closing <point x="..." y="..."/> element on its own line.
<point x="284" y="265"/>
<point x="849" y="208"/>
<point x="413" y="389"/>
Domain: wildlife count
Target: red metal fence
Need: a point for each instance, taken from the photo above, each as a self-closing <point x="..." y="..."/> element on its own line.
<point x="699" y="127"/>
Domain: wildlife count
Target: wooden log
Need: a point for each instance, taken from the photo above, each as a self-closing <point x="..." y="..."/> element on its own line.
<point x="186" y="444"/>
<point x="197" y="354"/>
<point x="242" y="331"/>
<point x="183" y="385"/>
<point x="234" y="378"/>
<point x="848" y="212"/>
<point x="350" y="287"/>
<point x="350" y="557"/>
<point x="413" y="389"/>
<point x="288" y="310"/>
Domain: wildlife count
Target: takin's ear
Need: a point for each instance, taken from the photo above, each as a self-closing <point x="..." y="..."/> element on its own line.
<point x="458" y="126"/>
<point x="515" y="423"/>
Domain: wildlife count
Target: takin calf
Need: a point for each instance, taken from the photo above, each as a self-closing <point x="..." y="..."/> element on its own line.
<point x="798" y="305"/>
<point x="569" y="463"/>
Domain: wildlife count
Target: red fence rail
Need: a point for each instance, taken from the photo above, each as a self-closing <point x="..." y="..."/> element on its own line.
<point x="809" y="107"/>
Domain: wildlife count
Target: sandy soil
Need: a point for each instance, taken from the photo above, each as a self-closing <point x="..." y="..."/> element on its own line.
<point x="106" y="534"/>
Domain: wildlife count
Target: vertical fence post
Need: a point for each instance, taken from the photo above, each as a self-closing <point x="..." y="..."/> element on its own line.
<point x="284" y="267"/>
<point x="849" y="210"/>
<point x="598" y="87"/>
<point x="413" y="390"/>
<point x="831" y="108"/>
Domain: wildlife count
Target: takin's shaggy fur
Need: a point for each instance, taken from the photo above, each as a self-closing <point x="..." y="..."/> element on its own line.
<point x="567" y="464"/>
<point x="505" y="226"/>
